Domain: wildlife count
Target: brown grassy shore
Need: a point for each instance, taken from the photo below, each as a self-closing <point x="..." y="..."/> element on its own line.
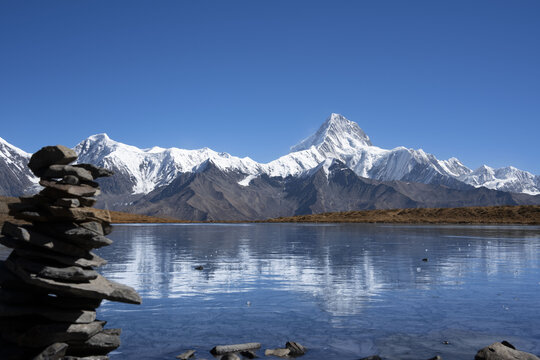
<point x="116" y="217"/>
<point x="525" y="215"/>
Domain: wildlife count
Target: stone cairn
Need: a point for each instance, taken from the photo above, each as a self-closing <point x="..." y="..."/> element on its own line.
<point x="49" y="290"/>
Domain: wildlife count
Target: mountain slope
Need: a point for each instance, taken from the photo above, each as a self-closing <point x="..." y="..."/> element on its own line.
<point x="214" y="194"/>
<point x="337" y="168"/>
<point x="15" y="176"/>
<point x="142" y="170"/>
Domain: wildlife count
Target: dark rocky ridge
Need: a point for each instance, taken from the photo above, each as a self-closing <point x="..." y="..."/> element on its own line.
<point x="213" y="194"/>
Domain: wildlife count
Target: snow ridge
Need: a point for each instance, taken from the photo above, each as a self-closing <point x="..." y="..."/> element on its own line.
<point x="338" y="138"/>
<point x="143" y="170"/>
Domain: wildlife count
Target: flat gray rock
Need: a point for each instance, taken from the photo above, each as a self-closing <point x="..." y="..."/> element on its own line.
<point x="26" y="233"/>
<point x="498" y="351"/>
<point x="50" y="155"/>
<point x="96" y="172"/>
<point x="45" y="334"/>
<point x="98" y="288"/>
<point x="77" y="214"/>
<point x="71" y="274"/>
<point x="27" y="250"/>
<point x="76" y="234"/>
<point x="277" y="352"/>
<point x="226" y="349"/>
<point x="20" y="297"/>
<point x="59" y="171"/>
<point x="55" y="351"/>
<point x="67" y="202"/>
<point x="54" y="189"/>
<point x="100" y="344"/>
<point x="51" y="313"/>
<point x="93" y="226"/>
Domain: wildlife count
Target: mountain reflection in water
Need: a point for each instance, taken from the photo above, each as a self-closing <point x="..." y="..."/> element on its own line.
<point x="343" y="290"/>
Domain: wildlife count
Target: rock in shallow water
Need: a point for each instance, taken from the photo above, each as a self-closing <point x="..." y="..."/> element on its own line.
<point x="226" y="349"/>
<point x="295" y="349"/>
<point x="186" y="355"/>
<point x="498" y="351"/>
<point x="277" y="352"/>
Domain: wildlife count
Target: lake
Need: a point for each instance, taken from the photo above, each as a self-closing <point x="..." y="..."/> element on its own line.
<point x="345" y="291"/>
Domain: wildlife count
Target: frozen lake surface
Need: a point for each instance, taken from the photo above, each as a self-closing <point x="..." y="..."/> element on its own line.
<point x="344" y="291"/>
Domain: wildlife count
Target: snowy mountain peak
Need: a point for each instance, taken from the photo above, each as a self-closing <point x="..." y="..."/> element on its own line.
<point x="336" y="135"/>
<point x="100" y="138"/>
<point x="6" y="148"/>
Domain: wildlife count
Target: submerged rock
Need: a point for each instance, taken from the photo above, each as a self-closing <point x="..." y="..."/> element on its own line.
<point x="232" y="356"/>
<point x="186" y="355"/>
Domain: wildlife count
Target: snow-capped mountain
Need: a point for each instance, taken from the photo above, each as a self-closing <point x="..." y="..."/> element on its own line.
<point x="342" y="139"/>
<point x="505" y="179"/>
<point x="146" y="169"/>
<point x="15" y="177"/>
<point x="141" y="171"/>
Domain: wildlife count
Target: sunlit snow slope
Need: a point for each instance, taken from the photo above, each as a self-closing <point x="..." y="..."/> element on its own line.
<point x="140" y="171"/>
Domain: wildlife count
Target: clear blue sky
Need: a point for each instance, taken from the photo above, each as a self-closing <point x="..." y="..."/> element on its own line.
<point x="252" y="78"/>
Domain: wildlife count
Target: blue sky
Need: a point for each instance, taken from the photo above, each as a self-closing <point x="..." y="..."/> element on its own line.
<point x="252" y="78"/>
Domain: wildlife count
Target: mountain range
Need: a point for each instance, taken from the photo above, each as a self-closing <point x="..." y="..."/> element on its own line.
<point x="335" y="169"/>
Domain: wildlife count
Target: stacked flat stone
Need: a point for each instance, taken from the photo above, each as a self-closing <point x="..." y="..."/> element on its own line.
<point x="49" y="288"/>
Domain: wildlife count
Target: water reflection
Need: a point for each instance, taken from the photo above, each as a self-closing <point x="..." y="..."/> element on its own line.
<point x="343" y="266"/>
<point x="345" y="291"/>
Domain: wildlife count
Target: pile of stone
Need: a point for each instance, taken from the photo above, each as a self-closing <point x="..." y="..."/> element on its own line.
<point x="49" y="288"/>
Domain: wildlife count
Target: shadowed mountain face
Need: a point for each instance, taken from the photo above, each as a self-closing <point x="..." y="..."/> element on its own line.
<point x="213" y="194"/>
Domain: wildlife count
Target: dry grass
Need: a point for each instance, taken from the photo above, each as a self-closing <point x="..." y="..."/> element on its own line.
<point x="116" y="217"/>
<point x="524" y="214"/>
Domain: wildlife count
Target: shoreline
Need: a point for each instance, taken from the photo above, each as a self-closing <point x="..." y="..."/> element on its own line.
<point x="486" y="215"/>
<point x="490" y="215"/>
